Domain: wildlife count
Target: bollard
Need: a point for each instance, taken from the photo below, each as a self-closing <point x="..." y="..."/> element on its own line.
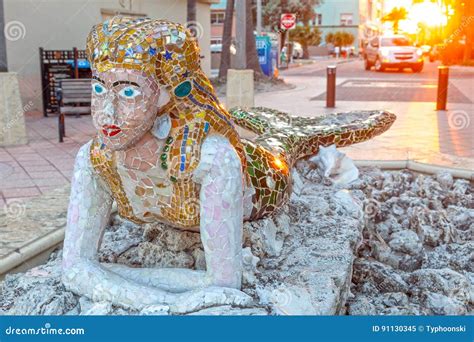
<point x="331" y="86"/>
<point x="443" y="77"/>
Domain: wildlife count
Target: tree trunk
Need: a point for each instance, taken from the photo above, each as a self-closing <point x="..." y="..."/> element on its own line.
<point x="469" y="30"/>
<point x="191" y="17"/>
<point x="3" y="42"/>
<point x="284" y="5"/>
<point x="226" y="39"/>
<point x="251" y="53"/>
<point x="305" y="51"/>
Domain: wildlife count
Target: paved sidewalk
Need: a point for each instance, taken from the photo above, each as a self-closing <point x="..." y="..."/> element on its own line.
<point x="43" y="164"/>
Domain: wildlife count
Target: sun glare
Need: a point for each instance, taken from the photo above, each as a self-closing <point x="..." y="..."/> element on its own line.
<point x="429" y="13"/>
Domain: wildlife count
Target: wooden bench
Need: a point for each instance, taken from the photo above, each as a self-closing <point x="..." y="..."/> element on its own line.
<point x="74" y="98"/>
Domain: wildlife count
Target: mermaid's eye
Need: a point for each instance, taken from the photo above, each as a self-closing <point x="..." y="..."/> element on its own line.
<point x="129" y="92"/>
<point x="98" y="88"/>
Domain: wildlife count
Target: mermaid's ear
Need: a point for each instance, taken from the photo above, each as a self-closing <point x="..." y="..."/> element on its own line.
<point x="162" y="126"/>
<point x="164" y="97"/>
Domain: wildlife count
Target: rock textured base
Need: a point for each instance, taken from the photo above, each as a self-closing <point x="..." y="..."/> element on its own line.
<point x="363" y="250"/>
<point x="417" y="254"/>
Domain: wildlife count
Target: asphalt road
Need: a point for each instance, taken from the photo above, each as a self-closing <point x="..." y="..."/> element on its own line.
<point x="356" y="69"/>
<point x="359" y="84"/>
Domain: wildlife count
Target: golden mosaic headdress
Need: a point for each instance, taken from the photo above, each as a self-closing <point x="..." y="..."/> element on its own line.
<point x="157" y="47"/>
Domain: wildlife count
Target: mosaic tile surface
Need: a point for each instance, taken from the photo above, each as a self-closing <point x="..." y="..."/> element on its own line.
<point x="167" y="151"/>
<point x="162" y="177"/>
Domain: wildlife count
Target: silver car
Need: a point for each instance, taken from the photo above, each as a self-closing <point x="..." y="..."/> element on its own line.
<point x="392" y="52"/>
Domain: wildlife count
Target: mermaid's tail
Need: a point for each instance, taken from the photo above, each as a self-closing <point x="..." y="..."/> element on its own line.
<point x="300" y="137"/>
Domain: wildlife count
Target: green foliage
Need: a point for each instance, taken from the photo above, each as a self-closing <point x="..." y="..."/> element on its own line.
<point x="329" y="38"/>
<point x="304" y="10"/>
<point x="306" y="35"/>
<point x="339" y="38"/>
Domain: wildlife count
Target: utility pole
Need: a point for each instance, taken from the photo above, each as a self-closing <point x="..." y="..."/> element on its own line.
<point x="284" y="9"/>
<point x="241" y="37"/>
<point x="259" y="17"/>
<point x="3" y="42"/>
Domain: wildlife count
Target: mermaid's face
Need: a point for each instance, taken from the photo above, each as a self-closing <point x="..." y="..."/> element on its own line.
<point x="124" y="106"/>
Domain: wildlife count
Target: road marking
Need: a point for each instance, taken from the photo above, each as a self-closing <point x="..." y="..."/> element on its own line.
<point x="388" y="84"/>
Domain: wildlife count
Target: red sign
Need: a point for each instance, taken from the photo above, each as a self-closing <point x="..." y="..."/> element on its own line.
<point x="287" y="21"/>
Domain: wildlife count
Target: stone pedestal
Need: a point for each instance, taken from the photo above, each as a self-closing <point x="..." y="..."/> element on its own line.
<point x="240" y="90"/>
<point x="12" y="120"/>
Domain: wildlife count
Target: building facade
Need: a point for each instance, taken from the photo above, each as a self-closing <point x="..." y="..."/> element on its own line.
<point x="361" y="18"/>
<point x="57" y="25"/>
<point x="217" y="21"/>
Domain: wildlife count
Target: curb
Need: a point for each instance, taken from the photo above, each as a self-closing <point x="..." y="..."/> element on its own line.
<point x="415" y="166"/>
<point x="31" y="251"/>
<point x="322" y="67"/>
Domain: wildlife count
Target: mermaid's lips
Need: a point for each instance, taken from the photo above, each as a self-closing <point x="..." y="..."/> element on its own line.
<point x="111" y="130"/>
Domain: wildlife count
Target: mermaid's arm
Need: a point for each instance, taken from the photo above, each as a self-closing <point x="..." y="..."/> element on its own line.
<point x="88" y="214"/>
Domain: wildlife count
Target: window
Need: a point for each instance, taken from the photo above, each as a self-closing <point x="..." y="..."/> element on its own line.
<point x="217" y="17"/>
<point x="346" y="19"/>
<point x="216" y="41"/>
<point x="319" y="19"/>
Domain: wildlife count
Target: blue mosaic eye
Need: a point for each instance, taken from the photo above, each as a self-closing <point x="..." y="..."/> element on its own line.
<point x="98" y="88"/>
<point x="129" y="92"/>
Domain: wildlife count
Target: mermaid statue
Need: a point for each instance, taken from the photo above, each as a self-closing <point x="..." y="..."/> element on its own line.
<point x="167" y="151"/>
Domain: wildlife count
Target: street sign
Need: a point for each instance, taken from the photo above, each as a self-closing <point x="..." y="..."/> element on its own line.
<point x="287" y="21"/>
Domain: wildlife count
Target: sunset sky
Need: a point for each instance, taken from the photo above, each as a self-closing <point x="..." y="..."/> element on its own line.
<point x="427" y="12"/>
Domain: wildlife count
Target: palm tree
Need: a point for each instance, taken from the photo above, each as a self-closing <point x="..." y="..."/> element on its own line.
<point x="226" y="39"/>
<point x="3" y="43"/>
<point x="468" y="14"/>
<point x="251" y="47"/>
<point x="396" y="15"/>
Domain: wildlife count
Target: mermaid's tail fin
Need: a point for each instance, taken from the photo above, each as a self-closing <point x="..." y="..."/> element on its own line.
<point x="300" y="137"/>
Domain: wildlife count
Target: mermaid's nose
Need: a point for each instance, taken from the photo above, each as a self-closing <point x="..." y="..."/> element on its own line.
<point x="109" y="109"/>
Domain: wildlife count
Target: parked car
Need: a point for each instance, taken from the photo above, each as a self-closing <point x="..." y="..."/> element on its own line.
<point x="426" y="49"/>
<point x="394" y="51"/>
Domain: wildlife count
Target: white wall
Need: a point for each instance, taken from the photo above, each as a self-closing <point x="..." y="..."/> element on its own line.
<point x="64" y="24"/>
